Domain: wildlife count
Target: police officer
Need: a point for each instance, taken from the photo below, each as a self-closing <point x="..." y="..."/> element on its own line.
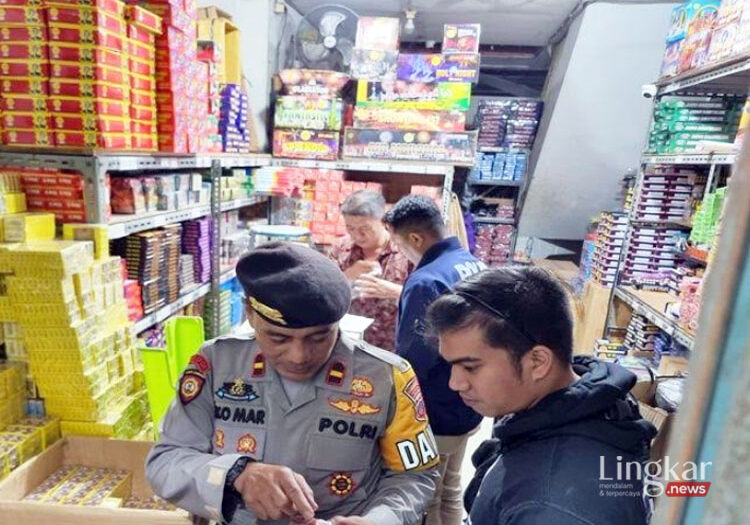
<point x="298" y="422"/>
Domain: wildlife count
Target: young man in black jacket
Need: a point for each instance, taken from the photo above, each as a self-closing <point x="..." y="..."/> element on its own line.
<point x="566" y="423"/>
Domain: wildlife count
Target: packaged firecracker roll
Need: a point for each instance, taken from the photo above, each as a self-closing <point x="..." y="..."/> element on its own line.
<point x="21" y="15"/>
<point x="461" y="38"/>
<point x="84" y="18"/>
<point x="409" y="119"/>
<point x="313" y="82"/>
<point x="19" y="120"/>
<point x="30" y="86"/>
<point x="86" y="88"/>
<point x="144" y="19"/>
<point x="306" y="144"/>
<point x="83" y="71"/>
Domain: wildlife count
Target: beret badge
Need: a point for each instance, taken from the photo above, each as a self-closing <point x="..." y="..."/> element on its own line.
<point x="266" y="311"/>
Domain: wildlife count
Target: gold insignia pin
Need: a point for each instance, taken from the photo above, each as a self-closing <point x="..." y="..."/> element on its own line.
<point x="266" y="311"/>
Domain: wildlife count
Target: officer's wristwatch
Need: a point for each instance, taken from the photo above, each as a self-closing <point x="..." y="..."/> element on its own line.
<point x="233" y="499"/>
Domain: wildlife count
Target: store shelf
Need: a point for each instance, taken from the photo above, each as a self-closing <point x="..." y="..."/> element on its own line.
<point x="227" y="275"/>
<point x="241" y="203"/>
<point x="489" y="149"/>
<point x="123" y="225"/>
<point x="169" y="310"/>
<point x="507" y="183"/>
<point x="723" y="159"/>
<point x="663" y="224"/>
<point x="494" y="220"/>
<point x="652" y="306"/>
<point x="127" y="160"/>
<point x="386" y="166"/>
<point x="728" y="76"/>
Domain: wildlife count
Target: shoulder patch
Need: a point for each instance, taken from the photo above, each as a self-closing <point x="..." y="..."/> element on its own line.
<point x="383" y="355"/>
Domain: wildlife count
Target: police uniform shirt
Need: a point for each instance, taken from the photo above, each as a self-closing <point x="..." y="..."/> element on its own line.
<point x="357" y="432"/>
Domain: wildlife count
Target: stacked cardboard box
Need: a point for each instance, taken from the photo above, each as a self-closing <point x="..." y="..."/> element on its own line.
<point x="56" y="192"/>
<point x="88" y="88"/>
<point x="182" y="80"/>
<point x="196" y="240"/>
<point x="233" y="119"/>
<point x="76" y="333"/>
<point x="24" y="75"/>
<point x="610" y="240"/>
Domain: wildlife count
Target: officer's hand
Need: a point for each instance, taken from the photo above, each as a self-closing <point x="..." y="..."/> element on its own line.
<point x="351" y="520"/>
<point x="370" y="287"/>
<point x="271" y="491"/>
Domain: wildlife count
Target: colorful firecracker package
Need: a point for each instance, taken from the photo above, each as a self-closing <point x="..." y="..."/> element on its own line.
<point x="378" y="33"/>
<point x="493" y="243"/>
<point x="434" y="146"/>
<point x="459" y="67"/>
<point x="409" y="119"/>
<point x="374" y="64"/>
<point x="142" y="28"/>
<point x="414" y="67"/>
<point x="508" y="123"/>
<point x="461" y="38"/>
<point x="233" y="121"/>
<point x="306" y="144"/>
<point x="308" y="112"/>
<point x="444" y="96"/>
<point x="313" y="82"/>
<point x="55" y="192"/>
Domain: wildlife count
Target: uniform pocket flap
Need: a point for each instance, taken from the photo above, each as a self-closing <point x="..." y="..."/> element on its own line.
<point x="330" y="453"/>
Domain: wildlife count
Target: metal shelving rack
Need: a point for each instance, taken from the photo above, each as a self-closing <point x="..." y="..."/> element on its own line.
<point x="94" y="166"/>
<point x="731" y="76"/>
<point x="378" y="166"/>
<point x="520" y="186"/>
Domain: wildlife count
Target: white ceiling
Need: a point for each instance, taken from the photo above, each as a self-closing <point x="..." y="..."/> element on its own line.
<point x="505" y="22"/>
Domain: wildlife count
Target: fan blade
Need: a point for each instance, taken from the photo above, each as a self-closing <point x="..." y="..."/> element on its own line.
<point x="329" y="22"/>
<point x="314" y="51"/>
<point x="346" y="48"/>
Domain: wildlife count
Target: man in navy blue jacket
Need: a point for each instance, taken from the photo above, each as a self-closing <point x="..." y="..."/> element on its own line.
<point x="417" y="228"/>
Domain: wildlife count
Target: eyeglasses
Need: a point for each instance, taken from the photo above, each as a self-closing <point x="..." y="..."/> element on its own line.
<point x="498" y="313"/>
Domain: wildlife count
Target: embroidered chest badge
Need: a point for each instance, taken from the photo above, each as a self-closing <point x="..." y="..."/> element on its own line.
<point x="353" y="406"/>
<point x="237" y="391"/>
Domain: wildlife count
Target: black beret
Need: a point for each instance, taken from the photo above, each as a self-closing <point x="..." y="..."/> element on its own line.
<point x="293" y="286"/>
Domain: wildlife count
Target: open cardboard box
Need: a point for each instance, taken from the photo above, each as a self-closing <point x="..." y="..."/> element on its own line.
<point x="89" y="451"/>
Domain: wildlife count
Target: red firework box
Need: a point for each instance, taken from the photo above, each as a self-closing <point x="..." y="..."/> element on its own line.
<point x="24" y="68"/>
<point x="27" y="138"/>
<point x="142" y="82"/>
<point x="21" y="3"/>
<point x="145" y="113"/>
<point x="142" y="98"/>
<point x="108" y="125"/>
<point x="140" y="35"/>
<point x="142" y="127"/>
<point x="88" y="106"/>
<point x="67" y="52"/>
<point x="23" y="103"/>
<point x="24" y="50"/>
<point x="84" y="71"/>
<point x="140" y="66"/>
<point x="44" y="178"/>
<point x="24" y="86"/>
<point x="115" y="7"/>
<point x="111" y="20"/>
<point x="174" y="15"/>
<point x="26" y="121"/>
<point x="143" y="19"/>
<point x="23" y="33"/>
<point x="142" y="51"/>
<point x="21" y="15"/>
<point x="87" y="89"/>
<point x="92" y="139"/>
<point x="145" y="142"/>
<point x="35" y="191"/>
<point x="87" y="35"/>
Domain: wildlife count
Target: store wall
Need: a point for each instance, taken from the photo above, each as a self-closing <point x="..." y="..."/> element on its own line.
<point x="595" y="120"/>
<point x="260" y="28"/>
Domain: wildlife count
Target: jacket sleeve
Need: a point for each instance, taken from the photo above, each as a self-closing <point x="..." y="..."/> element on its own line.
<point x="410" y="457"/>
<point x="181" y="467"/>
<point x="539" y="513"/>
<point x="411" y="334"/>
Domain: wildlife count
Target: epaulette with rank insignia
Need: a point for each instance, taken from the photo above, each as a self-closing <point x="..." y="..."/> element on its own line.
<point x="383" y="355"/>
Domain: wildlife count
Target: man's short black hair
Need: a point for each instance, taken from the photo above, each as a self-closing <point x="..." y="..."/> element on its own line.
<point x="516" y="307"/>
<point x="415" y="213"/>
